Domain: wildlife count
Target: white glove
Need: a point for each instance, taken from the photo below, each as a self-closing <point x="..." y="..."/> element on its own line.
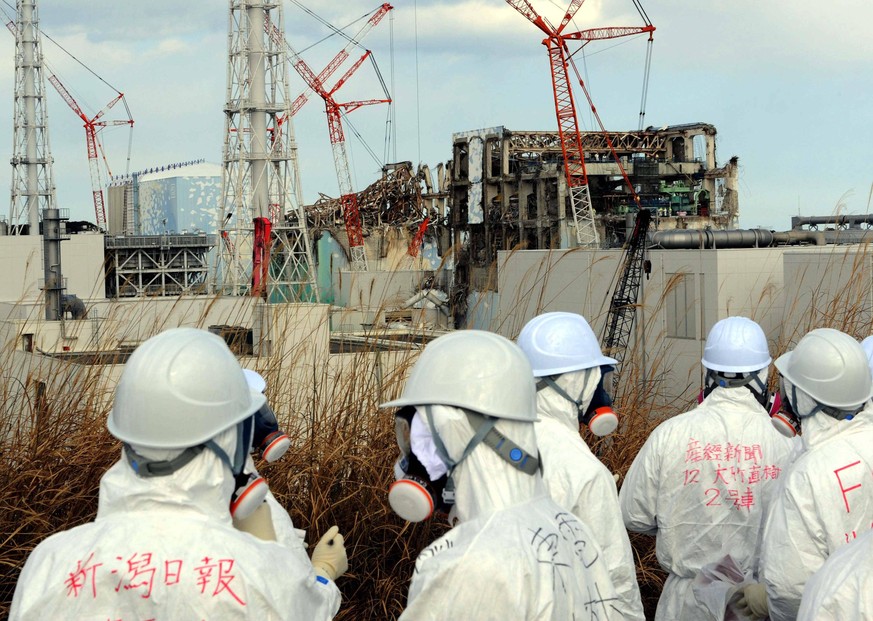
<point x="753" y="601"/>
<point x="329" y="556"/>
<point x="259" y="523"/>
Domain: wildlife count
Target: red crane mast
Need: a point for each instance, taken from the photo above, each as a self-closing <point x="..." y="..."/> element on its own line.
<point x="95" y="150"/>
<point x="565" y="107"/>
<point x="335" y="110"/>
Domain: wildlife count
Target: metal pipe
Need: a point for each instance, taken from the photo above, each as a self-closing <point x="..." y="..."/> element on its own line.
<point x="705" y="239"/>
<point x="834" y="220"/>
<point x="798" y="236"/>
<point x="51" y="239"/>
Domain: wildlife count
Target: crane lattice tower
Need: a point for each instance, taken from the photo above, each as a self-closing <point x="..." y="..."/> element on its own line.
<point x="260" y="178"/>
<point x="33" y="188"/>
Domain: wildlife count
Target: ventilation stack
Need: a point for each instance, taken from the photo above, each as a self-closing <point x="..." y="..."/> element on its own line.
<point x="33" y="190"/>
<point x="260" y="178"/>
<point x="52" y="236"/>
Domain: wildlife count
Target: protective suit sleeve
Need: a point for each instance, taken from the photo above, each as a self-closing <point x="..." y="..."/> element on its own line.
<point x="843" y="588"/>
<point x="609" y="530"/>
<point x="638" y="496"/>
<point x="792" y="549"/>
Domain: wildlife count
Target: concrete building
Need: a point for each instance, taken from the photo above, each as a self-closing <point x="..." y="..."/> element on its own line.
<point x="176" y="198"/>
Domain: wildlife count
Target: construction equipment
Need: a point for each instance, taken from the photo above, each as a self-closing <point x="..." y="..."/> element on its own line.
<point x="565" y="108"/>
<point x="335" y="110"/>
<point x="623" y="305"/>
<point x="92" y="126"/>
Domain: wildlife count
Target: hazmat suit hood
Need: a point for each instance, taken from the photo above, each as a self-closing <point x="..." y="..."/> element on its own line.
<point x="483" y="481"/>
<point x="554" y="406"/>
<point x="513" y="552"/>
<point x="820" y="426"/>
<point x="205" y="484"/>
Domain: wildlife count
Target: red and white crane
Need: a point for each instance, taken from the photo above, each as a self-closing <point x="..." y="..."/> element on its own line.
<point x="95" y="149"/>
<point x="565" y="107"/>
<point x="335" y="110"/>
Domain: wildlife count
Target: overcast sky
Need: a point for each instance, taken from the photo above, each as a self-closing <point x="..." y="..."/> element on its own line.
<point x="788" y="85"/>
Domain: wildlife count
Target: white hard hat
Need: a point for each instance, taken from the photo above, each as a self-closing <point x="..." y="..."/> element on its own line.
<point x="256" y="380"/>
<point x="831" y="367"/>
<point x="867" y="345"/>
<point x="736" y="345"/>
<point x="560" y="342"/>
<point x="179" y="389"/>
<point x="472" y="369"/>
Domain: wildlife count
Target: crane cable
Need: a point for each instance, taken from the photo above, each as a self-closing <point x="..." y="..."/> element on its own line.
<point x="340" y="32"/>
<point x="92" y="72"/>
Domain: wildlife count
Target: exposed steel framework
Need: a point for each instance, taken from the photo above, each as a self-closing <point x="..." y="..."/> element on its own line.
<point x="33" y="188"/>
<point x="560" y="60"/>
<point x="623" y="304"/>
<point x="335" y="111"/>
<point x="265" y="247"/>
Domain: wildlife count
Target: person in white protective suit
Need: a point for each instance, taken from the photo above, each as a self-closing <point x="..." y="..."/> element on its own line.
<point x="842" y="589"/>
<point x="700" y="481"/>
<point x="468" y="448"/>
<point x="570" y="370"/>
<point x="163" y="545"/>
<point x="825" y="498"/>
<point x="271" y="444"/>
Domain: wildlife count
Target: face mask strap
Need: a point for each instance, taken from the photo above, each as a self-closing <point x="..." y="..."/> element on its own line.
<point x="505" y="448"/>
<point x="148" y="468"/>
<point x="243" y="446"/>
<point x="714" y="379"/>
<point x="551" y="383"/>
<point x="833" y="412"/>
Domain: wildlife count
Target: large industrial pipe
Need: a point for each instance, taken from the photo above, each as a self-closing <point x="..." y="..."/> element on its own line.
<point x="834" y="220"/>
<point x="800" y="236"/>
<point x="705" y="238"/>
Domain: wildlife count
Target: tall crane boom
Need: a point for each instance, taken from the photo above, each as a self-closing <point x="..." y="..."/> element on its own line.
<point x="334" y="111"/>
<point x="95" y="150"/>
<point x="569" y="134"/>
<point x="623" y="305"/>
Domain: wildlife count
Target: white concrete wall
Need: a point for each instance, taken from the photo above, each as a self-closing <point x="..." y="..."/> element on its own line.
<point x="22" y="259"/>
<point x="830" y="286"/>
<point x="723" y="283"/>
<point x="535" y="281"/>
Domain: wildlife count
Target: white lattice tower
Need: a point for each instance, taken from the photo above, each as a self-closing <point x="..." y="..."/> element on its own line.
<point x="260" y="177"/>
<point x="33" y="188"/>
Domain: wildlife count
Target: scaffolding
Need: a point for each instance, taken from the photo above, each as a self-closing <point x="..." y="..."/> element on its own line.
<point x="157" y="265"/>
<point x="260" y="176"/>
